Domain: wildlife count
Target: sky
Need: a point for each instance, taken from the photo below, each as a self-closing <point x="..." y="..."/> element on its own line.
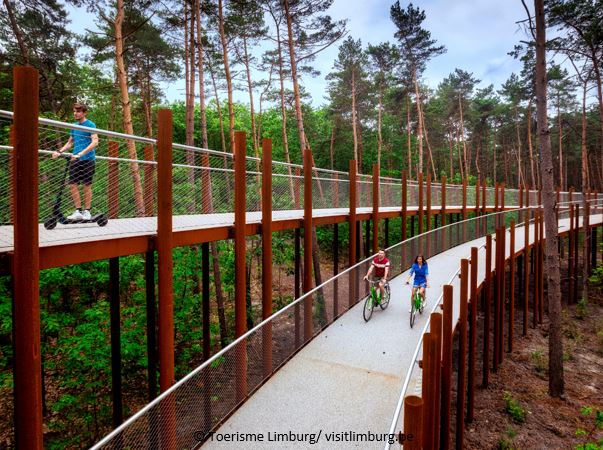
<point x="477" y="34"/>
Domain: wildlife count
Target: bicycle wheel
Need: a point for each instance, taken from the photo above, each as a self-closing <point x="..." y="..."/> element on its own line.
<point x="385" y="300"/>
<point x="422" y="302"/>
<point x="413" y="312"/>
<point x="367" y="311"/>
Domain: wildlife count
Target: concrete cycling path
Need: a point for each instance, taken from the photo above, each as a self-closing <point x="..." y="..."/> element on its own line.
<point x="348" y="379"/>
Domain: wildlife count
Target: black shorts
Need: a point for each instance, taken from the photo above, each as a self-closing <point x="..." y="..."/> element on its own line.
<point x="81" y="171"/>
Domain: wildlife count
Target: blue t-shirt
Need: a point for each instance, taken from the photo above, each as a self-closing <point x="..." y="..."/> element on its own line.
<point x="420" y="273"/>
<point x="82" y="139"/>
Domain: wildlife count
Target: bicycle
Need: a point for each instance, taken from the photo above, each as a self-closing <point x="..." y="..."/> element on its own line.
<point x="374" y="299"/>
<point x="417" y="304"/>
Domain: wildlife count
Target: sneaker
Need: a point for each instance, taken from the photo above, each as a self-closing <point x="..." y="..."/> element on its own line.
<point x="77" y="215"/>
<point x="86" y="215"/>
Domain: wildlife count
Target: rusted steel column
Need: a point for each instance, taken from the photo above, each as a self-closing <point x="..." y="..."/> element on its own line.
<point x="539" y="196"/>
<point x="149" y="181"/>
<point x="571" y="193"/>
<point x="113" y="180"/>
<point x="420" y="207"/>
<point x="502" y="197"/>
<point x="541" y="266"/>
<point x="576" y="250"/>
<point x="462" y="361"/>
<point x="496" y="220"/>
<point x="497" y="284"/>
<point x="165" y="274"/>
<point x="352" y="237"/>
<point x="114" y="312"/>
<point x="477" y="186"/>
<point x="240" y="262"/>
<point x="26" y="262"/>
<point x="503" y="293"/>
<point x="375" y="208"/>
<point x="446" y="368"/>
<point x="428" y="227"/>
<point x="472" y="337"/>
<point x="512" y="285"/>
<point x="443" y="206"/>
<point x="427" y="389"/>
<point x="435" y="328"/>
<point x="297" y="262"/>
<point x="487" y="289"/>
<point x="413" y="422"/>
<point x="526" y="271"/>
<point x="404" y="202"/>
<point x="335" y="270"/>
<point x="308" y="325"/>
<point x="267" y="253"/>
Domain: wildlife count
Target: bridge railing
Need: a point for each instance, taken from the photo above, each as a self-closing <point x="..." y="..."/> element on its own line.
<point x="413" y="381"/>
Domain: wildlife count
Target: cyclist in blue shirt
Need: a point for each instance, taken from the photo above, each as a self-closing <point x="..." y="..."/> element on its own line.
<point x="420" y="270"/>
<point x="83" y="159"/>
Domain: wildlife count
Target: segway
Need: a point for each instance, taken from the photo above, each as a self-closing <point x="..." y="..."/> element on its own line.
<point x="57" y="215"/>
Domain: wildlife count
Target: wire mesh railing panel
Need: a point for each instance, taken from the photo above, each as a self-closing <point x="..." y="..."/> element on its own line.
<point x="512" y="198"/>
<point x="454" y="195"/>
<point x="390" y="194"/>
<point x="436" y="195"/>
<point x="490" y="197"/>
<point x="413" y="194"/>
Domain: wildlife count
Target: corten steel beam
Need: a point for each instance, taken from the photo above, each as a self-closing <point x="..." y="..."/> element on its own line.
<point x="428" y="203"/>
<point x="511" y="285"/>
<point x="26" y="270"/>
<point x="413" y="423"/>
<point x="267" y="253"/>
<point x="427" y="389"/>
<point x="151" y="312"/>
<point x="404" y="202"/>
<point x="240" y="208"/>
<point x="353" y="234"/>
<point x="205" y="307"/>
<point x="116" y="396"/>
<point x="526" y="271"/>
<point x="435" y="327"/>
<point x="308" y="325"/>
<point x="472" y="337"/>
<point x="487" y="313"/>
<point x="164" y="249"/>
<point x="335" y="270"/>
<point x="420" y="206"/>
<point x="375" y="208"/>
<point x="149" y="182"/>
<point x="446" y="368"/>
<point x="462" y="356"/>
<point x="113" y="180"/>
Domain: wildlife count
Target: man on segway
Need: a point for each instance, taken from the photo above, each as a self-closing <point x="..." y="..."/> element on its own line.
<point x="83" y="159"/>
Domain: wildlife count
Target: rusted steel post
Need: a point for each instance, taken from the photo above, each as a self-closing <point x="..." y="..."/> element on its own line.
<point x="308" y="325"/>
<point x="535" y="257"/>
<point x="353" y="232"/>
<point x="576" y="250"/>
<point x="267" y="253"/>
<point x="477" y="187"/>
<point x="496" y="220"/>
<point x="149" y="181"/>
<point x="446" y="368"/>
<point x="462" y="362"/>
<point x="526" y="270"/>
<point x="464" y="199"/>
<point x="165" y="274"/>
<point x="512" y="285"/>
<point x="502" y="197"/>
<point x="420" y="206"/>
<point x="335" y="270"/>
<point x="472" y="337"/>
<point x="297" y="262"/>
<point x="503" y="293"/>
<point x="427" y="389"/>
<point x="571" y="193"/>
<point x="539" y="196"/>
<point x="487" y="312"/>
<point x="404" y="202"/>
<point x="26" y="262"/>
<point x="375" y="208"/>
<point x="484" y="199"/>
<point x="541" y="268"/>
<point x="113" y="180"/>
<point x="428" y="226"/>
<point x="205" y="298"/>
<point x="413" y="422"/>
<point x="497" y="284"/>
<point x="435" y="328"/>
<point x="240" y="262"/>
<point x="443" y="205"/>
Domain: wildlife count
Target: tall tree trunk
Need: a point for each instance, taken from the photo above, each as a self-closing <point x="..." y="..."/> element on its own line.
<point x="379" y="137"/>
<point x="201" y="70"/>
<point x="122" y="78"/>
<point x="218" y="107"/>
<point x="354" y="131"/>
<point x="250" y="89"/>
<point x="458" y="150"/>
<point x="530" y="149"/>
<point x="431" y="163"/>
<point x="597" y="71"/>
<point x="466" y="170"/>
<point x="420" y="117"/>
<point x="495" y="159"/>
<point x="450" y="151"/>
<point x="17" y="32"/>
<point x="189" y="56"/>
<point x="562" y="183"/>
<point x="408" y="134"/>
<point x="226" y="74"/>
<point x="556" y="382"/>
<point x="585" y="189"/>
<point x="518" y="136"/>
<point x="332" y="142"/>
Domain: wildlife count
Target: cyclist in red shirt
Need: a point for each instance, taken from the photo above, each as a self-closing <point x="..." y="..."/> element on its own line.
<point x="380" y="266"/>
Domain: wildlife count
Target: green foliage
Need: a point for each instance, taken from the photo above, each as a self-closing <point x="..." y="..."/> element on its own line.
<point x="540" y="362"/>
<point x="596" y="423"/>
<point x="582" y="309"/>
<point x="513" y="408"/>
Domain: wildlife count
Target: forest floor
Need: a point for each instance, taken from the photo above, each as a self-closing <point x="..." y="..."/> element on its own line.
<point x="520" y="388"/>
